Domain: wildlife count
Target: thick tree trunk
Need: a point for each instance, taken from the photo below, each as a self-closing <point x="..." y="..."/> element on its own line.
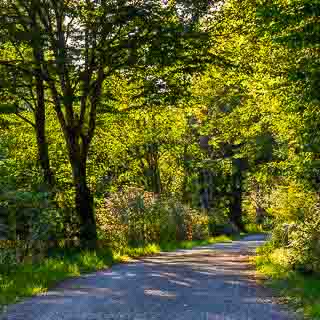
<point x="84" y="205"/>
<point x="206" y="185"/>
<point x="156" y="179"/>
<point x="236" y="201"/>
<point x="260" y="215"/>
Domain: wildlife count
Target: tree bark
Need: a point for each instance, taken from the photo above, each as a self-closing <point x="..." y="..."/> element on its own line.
<point x="4" y="225"/>
<point x="39" y="112"/>
<point x="236" y="201"/>
<point x="83" y="200"/>
<point x="154" y="178"/>
<point x="186" y="192"/>
<point x="236" y="209"/>
<point x="42" y="145"/>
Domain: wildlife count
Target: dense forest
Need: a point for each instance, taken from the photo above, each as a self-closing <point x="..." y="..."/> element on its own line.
<point x="126" y="123"/>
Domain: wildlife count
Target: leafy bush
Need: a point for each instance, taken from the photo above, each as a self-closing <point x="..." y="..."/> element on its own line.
<point x="296" y="227"/>
<point x="281" y="234"/>
<point x="200" y="225"/>
<point x="305" y="243"/>
<point x="219" y="219"/>
<point x="297" y="244"/>
<point x="253" y="228"/>
<point x="32" y="222"/>
<point x="291" y="202"/>
<point x="136" y="217"/>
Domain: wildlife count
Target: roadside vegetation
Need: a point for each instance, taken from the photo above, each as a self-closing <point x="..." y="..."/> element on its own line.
<point x="298" y="289"/>
<point x="129" y="127"/>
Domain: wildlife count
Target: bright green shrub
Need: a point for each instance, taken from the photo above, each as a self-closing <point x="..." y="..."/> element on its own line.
<point x="305" y="243"/>
<point x="296" y="227"/>
<point x="291" y="202"/>
<point x="200" y="225"/>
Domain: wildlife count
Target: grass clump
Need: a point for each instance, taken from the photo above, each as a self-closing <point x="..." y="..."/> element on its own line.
<point x="301" y="291"/>
<point x="193" y="243"/>
<point x="137" y="252"/>
<point x="253" y="228"/>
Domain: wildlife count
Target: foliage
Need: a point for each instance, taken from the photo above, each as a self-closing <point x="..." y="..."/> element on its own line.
<point x="136" y="217"/>
<point x="305" y="244"/>
<point x="159" y="123"/>
<point x="62" y="54"/>
<point x="300" y="290"/>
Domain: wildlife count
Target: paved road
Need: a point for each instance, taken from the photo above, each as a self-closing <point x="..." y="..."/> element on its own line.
<point x="208" y="283"/>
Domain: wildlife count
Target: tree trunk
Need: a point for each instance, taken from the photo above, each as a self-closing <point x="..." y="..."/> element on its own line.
<point x="4" y="224"/>
<point x="206" y="185"/>
<point x="236" y="201"/>
<point x="187" y="195"/>
<point x="42" y="145"/>
<point x="154" y="178"/>
<point x="40" y="121"/>
<point x="260" y="215"/>
<point x="84" y="204"/>
<point x="236" y="209"/>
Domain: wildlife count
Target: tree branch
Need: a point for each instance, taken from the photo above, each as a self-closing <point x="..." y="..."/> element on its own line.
<point x="22" y="117"/>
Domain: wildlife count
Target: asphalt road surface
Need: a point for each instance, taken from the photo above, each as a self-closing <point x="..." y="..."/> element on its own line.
<point x="208" y="283"/>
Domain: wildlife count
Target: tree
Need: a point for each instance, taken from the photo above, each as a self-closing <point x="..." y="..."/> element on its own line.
<point x="76" y="46"/>
<point x="294" y="26"/>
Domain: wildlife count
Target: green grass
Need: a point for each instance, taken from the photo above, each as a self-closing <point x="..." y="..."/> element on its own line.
<point x="253" y="228"/>
<point x="191" y="244"/>
<point x="29" y="279"/>
<point x="300" y="291"/>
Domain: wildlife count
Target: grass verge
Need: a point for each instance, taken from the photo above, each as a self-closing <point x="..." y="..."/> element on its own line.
<point x="30" y="279"/>
<point x="195" y="243"/>
<point x="300" y="291"/>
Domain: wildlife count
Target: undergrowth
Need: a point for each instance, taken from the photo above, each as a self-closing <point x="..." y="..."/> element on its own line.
<point x="301" y="291"/>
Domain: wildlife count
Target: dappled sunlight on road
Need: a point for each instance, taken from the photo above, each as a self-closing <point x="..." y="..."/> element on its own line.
<point x="212" y="282"/>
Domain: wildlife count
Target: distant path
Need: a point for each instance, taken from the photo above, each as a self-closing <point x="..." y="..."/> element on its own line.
<point x="208" y="283"/>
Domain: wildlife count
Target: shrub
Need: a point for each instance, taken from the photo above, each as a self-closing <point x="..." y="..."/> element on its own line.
<point x="305" y="243"/>
<point x="296" y="226"/>
<point x="200" y="225"/>
<point x="136" y="217"/>
<point x="122" y="218"/>
<point x="32" y="222"/>
<point x="281" y="234"/>
<point x="300" y="242"/>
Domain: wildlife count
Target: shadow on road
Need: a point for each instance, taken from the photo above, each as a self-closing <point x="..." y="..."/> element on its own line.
<point x="212" y="282"/>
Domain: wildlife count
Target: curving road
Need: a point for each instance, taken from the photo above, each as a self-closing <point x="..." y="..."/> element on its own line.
<point x="207" y="283"/>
